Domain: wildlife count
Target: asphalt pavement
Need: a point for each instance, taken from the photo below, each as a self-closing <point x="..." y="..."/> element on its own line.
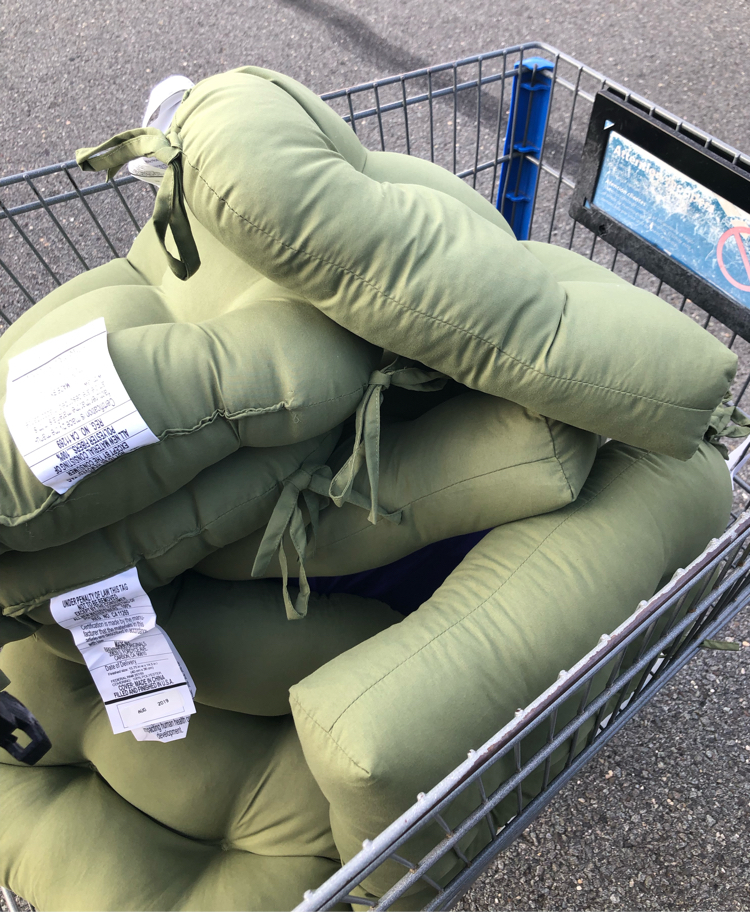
<point x="662" y="818"/>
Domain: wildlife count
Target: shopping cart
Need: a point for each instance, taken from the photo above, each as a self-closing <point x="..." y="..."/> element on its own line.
<point x="512" y="123"/>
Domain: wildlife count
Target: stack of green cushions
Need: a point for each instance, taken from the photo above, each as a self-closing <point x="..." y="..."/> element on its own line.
<point x="230" y="817"/>
<point x="345" y="357"/>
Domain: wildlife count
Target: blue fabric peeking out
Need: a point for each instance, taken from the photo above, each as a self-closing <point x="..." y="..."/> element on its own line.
<point x="406" y="583"/>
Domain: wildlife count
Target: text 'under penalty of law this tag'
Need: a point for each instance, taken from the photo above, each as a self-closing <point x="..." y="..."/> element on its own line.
<point x="141" y="678"/>
<point x="67" y="409"/>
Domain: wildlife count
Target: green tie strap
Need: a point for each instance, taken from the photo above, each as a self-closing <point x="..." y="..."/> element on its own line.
<point x="401" y="372"/>
<point x="169" y="206"/>
<point x="727" y="421"/>
<point x="311" y="482"/>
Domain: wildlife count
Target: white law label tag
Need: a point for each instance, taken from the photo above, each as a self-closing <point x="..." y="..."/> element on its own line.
<point x="171" y="729"/>
<point x="134" y="664"/>
<point x="115" y="608"/>
<point x="150" y="708"/>
<point x="67" y="409"/>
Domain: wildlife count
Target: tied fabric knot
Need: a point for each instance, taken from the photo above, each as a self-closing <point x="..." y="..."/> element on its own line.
<point x="403" y="373"/>
<point x="726" y="421"/>
<point x="169" y="206"/>
<point x="308" y="484"/>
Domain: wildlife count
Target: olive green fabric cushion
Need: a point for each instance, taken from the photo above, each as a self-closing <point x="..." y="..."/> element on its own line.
<point x="223" y="503"/>
<point x="15" y="628"/>
<point x="225" y="360"/>
<point x="120" y="271"/>
<point x="569" y="266"/>
<point x="394" y="168"/>
<point x="393" y="716"/>
<point x="237" y="643"/>
<point x="228" y="818"/>
<point x="417" y="271"/>
<point x="146" y="866"/>
<point x="471" y="463"/>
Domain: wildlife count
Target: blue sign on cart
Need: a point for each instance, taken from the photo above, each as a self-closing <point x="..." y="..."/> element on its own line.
<point x="672" y="201"/>
<point x="688" y="222"/>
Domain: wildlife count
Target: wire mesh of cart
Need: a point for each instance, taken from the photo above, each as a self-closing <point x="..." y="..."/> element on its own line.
<point x="513" y="124"/>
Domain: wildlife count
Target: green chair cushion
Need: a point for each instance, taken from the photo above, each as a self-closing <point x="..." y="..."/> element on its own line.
<point x="237" y="643"/>
<point x="108" y="822"/>
<point x="223" y="503"/>
<point x="529" y="600"/>
<point x="228" y="818"/>
<point x="417" y="271"/>
<point x="468" y="464"/>
<point x="229" y="359"/>
<point x="120" y="271"/>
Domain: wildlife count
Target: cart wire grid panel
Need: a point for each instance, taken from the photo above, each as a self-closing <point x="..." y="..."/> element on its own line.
<point x="512" y="123"/>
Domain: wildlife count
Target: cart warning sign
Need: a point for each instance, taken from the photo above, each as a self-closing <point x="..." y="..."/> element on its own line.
<point x="704" y="232"/>
<point x="731" y="237"/>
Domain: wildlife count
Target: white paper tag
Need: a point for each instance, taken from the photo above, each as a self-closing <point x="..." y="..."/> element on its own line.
<point x="67" y="409"/>
<point x="136" y="669"/>
<point x="115" y="608"/>
<point x="164" y="732"/>
<point x="171" y="729"/>
<point x="149" y="170"/>
<point x="165" y="704"/>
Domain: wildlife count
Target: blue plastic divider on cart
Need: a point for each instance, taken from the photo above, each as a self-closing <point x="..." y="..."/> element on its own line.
<point x="527" y="123"/>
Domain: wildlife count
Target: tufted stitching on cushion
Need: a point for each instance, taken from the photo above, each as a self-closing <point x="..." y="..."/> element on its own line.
<point x="13" y="610"/>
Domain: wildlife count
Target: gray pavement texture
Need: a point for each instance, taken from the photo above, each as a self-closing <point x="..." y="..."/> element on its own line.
<point x="661" y="819"/>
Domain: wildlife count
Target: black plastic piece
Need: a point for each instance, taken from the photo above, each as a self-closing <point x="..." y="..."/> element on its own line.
<point x="15" y="717"/>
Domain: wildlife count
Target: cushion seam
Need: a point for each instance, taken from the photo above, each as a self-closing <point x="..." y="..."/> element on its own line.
<point x="559" y="462"/>
<point x="326" y="732"/>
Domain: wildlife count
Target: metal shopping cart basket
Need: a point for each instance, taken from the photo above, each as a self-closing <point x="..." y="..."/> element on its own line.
<point x="517" y="125"/>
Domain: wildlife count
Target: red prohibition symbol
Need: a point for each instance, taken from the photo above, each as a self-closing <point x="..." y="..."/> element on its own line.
<point x="735" y="233"/>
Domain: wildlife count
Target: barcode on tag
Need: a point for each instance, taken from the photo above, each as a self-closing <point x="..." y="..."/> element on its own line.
<point x="67" y="409"/>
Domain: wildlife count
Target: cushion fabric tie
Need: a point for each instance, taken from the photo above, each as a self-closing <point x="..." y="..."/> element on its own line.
<point x="169" y="206"/>
<point x="310" y="482"/>
<point x="403" y="373"/>
<point x="727" y="421"/>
